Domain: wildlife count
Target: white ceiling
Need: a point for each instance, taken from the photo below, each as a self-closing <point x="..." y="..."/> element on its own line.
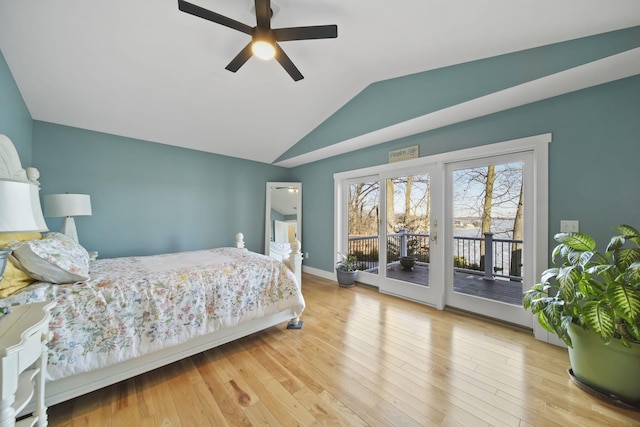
<point x="143" y="69"/>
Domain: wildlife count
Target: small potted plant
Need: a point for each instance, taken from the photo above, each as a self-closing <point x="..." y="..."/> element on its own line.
<point x="346" y="269"/>
<point x="592" y="302"/>
<point x="407" y="262"/>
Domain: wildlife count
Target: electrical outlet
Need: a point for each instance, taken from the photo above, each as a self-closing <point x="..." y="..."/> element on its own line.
<point x="569" y="226"/>
<point x="306" y="255"/>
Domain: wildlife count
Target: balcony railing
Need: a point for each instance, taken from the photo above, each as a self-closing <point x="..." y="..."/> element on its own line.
<point x="488" y="256"/>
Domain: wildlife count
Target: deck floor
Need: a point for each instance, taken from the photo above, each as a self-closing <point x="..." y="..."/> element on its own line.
<point x="502" y="290"/>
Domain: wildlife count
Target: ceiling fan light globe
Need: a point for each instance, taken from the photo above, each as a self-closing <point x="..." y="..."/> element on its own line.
<point x="263" y="50"/>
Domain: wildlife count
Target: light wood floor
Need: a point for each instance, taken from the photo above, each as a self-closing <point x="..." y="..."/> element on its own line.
<point x="362" y="358"/>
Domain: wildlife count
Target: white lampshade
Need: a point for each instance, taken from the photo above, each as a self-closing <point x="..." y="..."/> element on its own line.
<point x="37" y="208"/>
<point x="20" y="208"/>
<point x="68" y="206"/>
<point x="19" y="212"/>
<point x="57" y="205"/>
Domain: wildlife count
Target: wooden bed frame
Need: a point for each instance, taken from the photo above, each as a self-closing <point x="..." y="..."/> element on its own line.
<point x="76" y="385"/>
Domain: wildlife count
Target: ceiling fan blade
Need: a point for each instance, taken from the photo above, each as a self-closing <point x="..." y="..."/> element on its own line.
<point x="263" y="13"/>
<point x="240" y="59"/>
<point x="213" y="17"/>
<point x="306" y="33"/>
<point x="287" y="64"/>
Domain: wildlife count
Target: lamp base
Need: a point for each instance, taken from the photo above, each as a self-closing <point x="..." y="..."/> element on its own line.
<point x="4" y="253"/>
<point x="69" y="228"/>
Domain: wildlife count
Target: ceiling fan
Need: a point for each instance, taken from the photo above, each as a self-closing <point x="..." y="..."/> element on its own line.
<point x="264" y="39"/>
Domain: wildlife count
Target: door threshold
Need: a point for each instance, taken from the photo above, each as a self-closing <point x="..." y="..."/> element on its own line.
<point x="489" y="319"/>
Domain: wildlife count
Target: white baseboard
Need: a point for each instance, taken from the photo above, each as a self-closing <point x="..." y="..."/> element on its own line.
<point x="320" y="273"/>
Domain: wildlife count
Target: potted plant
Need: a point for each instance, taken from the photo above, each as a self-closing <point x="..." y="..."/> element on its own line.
<point x="592" y="302"/>
<point x="407" y="262"/>
<point x="346" y="269"/>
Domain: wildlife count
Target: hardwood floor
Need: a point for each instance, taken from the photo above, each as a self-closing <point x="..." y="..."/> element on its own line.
<point x="362" y="358"/>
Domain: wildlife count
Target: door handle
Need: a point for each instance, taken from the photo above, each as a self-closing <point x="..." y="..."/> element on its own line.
<point x="434" y="235"/>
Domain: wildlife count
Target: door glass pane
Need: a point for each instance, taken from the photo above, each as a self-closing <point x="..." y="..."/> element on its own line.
<point x="407" y="222"/>
<point x="488" y="232"/>
<point x="364" y="218"/>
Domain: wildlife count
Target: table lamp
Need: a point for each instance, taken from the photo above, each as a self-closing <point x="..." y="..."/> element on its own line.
<point x="67" y="206"/>
<point x="19" y="212"/>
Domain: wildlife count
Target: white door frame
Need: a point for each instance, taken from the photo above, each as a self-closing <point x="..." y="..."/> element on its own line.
<point x="537" y="144"/>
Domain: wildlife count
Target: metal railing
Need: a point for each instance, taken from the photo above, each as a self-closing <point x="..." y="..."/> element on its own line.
<point x="477" y="255"/>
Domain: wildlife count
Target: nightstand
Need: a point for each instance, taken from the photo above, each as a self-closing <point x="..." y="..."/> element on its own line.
<point x="24" y="333"/>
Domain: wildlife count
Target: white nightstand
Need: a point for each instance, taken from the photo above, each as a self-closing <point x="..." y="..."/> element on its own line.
<point x="23" y="360"/>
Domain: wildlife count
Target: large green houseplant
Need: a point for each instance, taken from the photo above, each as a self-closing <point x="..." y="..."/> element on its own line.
<point x="593" y="298"/>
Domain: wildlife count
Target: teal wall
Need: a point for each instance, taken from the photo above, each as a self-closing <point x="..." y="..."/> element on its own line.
<point x="392" y="101"/>
<point x="152" y="198"/>
<point x="594" y="167"/>
<point x="15" y="120"/>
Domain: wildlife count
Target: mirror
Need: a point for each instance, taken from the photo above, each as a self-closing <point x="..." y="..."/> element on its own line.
<point x="283" y="215"/>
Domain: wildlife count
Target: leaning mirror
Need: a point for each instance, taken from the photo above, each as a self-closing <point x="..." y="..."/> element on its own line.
<point x="283" y="215"/>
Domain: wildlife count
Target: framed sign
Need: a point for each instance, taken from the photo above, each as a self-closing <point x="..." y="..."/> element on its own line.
<point x="406" y="153"/>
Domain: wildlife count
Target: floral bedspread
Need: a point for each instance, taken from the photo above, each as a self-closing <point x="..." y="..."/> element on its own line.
<point x="137" y="305"/>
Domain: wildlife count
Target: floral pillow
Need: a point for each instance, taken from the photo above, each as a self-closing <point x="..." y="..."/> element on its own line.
<point x="56" y="259"/>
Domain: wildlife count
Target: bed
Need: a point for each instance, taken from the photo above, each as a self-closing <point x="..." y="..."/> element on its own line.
<point x="125" y="316"/>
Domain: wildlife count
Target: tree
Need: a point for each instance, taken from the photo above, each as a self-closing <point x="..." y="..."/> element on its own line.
<point x="391" y="215"/>
<point x="363" y="208"/>
<point x="489" y="182"/>
<point x="518" y="234"/>
<point x="411" y="194"/>
<point x="407" y="201"/>
<point x="490" y="192"/>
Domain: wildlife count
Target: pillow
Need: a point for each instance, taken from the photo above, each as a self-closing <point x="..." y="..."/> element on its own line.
<point x="15" y="279"/>
<point x="61" y="236"/>
<point x="56" y="259"/>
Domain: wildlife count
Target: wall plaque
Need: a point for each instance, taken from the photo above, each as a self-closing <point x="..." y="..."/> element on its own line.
<point x="406" y="153"/>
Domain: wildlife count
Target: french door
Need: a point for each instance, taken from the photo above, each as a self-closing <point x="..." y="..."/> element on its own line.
<point x="389" y="227"/>
<point x="408" y="235"/>
<point x="360" y="224"/>
<point x="467" y="230"/>
<point x="489" y="237"/>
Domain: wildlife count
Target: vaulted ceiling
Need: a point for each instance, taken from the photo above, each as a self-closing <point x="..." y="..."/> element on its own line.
<point x="145" y="70"/>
